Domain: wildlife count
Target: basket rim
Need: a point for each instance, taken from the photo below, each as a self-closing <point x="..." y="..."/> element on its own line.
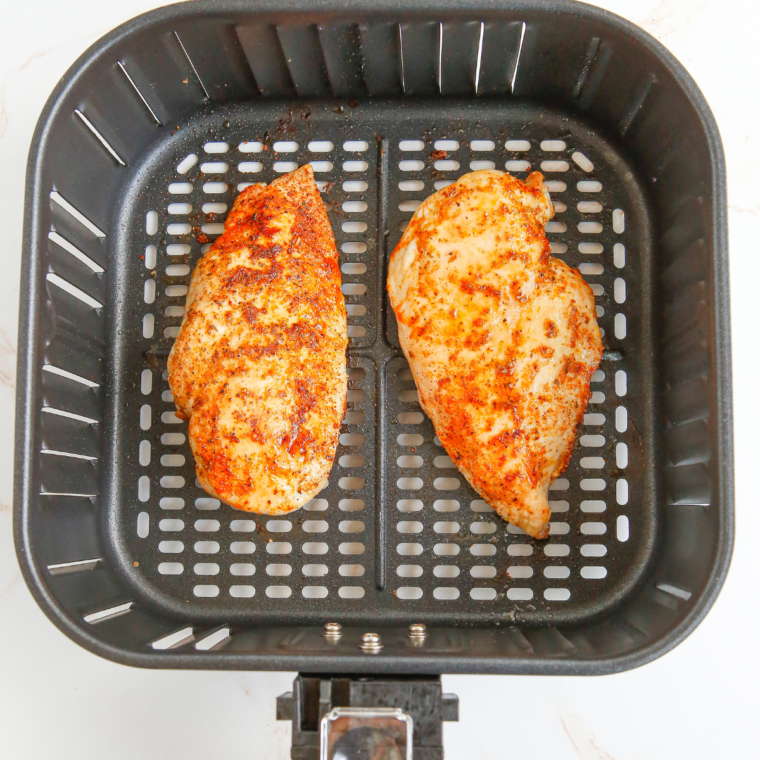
<point x="32" y="279"/>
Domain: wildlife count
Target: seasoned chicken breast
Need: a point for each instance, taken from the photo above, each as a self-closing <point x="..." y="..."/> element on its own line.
<point x="501" y="338"/>
<point x="259" y="365"/>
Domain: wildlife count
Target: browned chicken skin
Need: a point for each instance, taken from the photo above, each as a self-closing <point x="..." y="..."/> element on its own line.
<point x="501" y="338"/>
<point x="259" y="365"/>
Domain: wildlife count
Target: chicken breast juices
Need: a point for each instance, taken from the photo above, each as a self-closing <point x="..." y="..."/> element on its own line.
<point x="259" y="365"/>
<point x="501" y="338"/>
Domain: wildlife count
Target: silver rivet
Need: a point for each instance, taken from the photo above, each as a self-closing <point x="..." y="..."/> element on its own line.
<point x="417" y="632"/>
<point x="371" y="642"/>
<point x="332" y="631"/>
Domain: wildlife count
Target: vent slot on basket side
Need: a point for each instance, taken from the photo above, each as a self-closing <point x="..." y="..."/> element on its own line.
<point x="383" y="58"/>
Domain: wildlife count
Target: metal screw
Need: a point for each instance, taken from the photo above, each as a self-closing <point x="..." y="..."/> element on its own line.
<point x="332" y="631"/>
<point x="417" y="633"/>
<point x="371" y="642"/>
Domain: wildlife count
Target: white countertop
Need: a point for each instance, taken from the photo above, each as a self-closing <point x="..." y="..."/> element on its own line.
<point x="57" y="700"/>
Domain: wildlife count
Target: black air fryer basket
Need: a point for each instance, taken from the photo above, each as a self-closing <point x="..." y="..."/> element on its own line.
<point x="136" y="159"/>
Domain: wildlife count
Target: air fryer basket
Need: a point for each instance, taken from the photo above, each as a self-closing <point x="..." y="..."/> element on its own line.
<point x="138" y="155"/>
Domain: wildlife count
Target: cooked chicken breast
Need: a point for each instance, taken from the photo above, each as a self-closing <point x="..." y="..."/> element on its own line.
<point x="259" y="365"/>
<point x="501" y="338"/>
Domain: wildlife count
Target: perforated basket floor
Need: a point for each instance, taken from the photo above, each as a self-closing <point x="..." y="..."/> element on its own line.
<point x="398" y="534"/>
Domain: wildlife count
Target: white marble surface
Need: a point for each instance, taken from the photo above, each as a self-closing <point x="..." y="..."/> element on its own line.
<point x="56" y="700"/>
